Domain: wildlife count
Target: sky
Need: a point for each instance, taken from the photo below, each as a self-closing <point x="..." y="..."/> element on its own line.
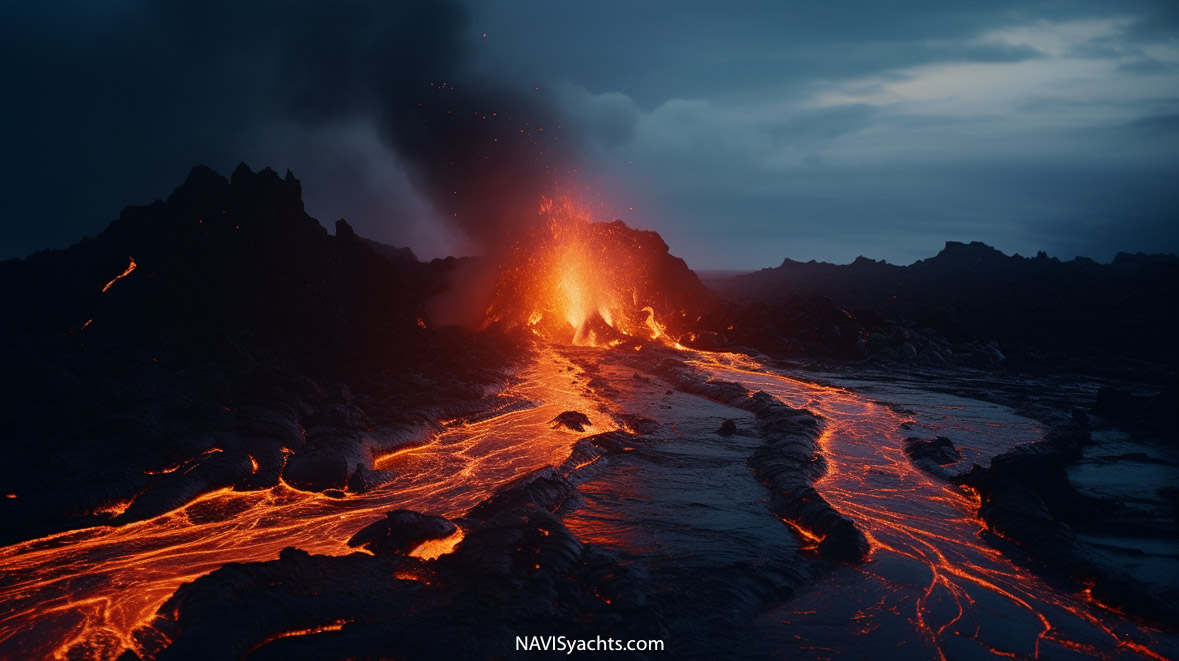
<point x="743" y="132"/>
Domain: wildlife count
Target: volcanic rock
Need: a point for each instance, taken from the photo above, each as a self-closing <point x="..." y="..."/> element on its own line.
<point x="639" y="424"/>
<point x="518" y="569"/>
<point x="971" y="294"/>
<point x="787" y="464"/>
<point x="940" y="450"/>
<point x="934" y="456"/>
<point x="573" y="420"/>
<point x="400" y="532"/>
<point x="206" y="473"/>
<point x="235" y="323"/>
<point x="613" y="442"/>
<point x="803" y="324"/>
<point x="365" y="479"/>
<point x="547" y="489"/>
<point x="327" y="461"/>
<point x="344" y="231"/>
<point x="1151" y="414"/>
<point x="1026" y="497"/>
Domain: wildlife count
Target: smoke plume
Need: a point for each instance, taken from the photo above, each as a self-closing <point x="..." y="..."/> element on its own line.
<point x="481" y="150"/>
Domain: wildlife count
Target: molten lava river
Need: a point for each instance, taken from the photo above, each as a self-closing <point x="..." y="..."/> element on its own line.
<point x="686" y="506"/>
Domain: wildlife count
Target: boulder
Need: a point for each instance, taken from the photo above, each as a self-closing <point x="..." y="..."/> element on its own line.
<point x="940" y="450"/>
<point x="573" y="420"/>
<point x="400" y="532"/>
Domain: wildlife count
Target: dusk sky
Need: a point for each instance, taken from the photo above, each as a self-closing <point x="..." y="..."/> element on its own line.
<point x="744" y="132"/>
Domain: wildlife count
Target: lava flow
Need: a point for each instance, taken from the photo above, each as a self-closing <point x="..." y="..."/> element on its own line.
<point x="930" y="588"/>
<point x="89" y="593"/>
<point x="929" y="572"/>
<point x="126" y="272"/>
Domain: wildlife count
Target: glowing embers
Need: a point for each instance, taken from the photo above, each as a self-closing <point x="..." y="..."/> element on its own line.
<point x="416" y="575"/>
<point x="311" y="631"/>
<point x="580" y="282"/>
<point x="112" y="510"/>
<point x="125" y="273"/>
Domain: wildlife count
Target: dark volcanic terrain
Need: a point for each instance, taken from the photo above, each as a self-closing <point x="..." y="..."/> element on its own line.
<point x="232" y="434"/>
<point x="1035" y="310"/>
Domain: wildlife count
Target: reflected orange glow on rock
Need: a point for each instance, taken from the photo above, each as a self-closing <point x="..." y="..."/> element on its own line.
<point x="929" y="581"/>
<point x="95" y="591"/>
<point x="586" y="283"/>
<point x="928" y="564"/>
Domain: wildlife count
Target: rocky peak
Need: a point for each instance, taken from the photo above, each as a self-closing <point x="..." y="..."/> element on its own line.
<point x="1140" y="259"/>
<point x="344" y="231"/>
<point x="975" y="252"/>
<point x="203" y="185"/>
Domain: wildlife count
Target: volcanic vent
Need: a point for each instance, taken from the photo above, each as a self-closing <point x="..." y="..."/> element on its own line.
<point x="572" y="280"/>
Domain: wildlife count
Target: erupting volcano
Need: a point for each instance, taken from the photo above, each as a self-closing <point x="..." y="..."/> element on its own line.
<point x="269" y="459"/>
<point x="231" y="431"/>
<point x="575" y="281"/>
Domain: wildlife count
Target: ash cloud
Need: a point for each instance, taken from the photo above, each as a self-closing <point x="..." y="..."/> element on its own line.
<point x="480" y="150"/>
<point x="747" y="132"/>
<point x="172" y="85"/>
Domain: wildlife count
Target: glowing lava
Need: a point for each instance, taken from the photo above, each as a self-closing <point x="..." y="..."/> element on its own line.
<point x="575" y="281"/>
<point x="434" y="548"/>
<point x="929" y="572"/>
<point x="92" y="593"/>
<point x="125" y="273"/>
<point x="931" y="588"/>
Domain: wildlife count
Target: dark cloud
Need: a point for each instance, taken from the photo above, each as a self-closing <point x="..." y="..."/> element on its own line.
<point x="194" y="82"/>
<point x="744" y="133"/>
<point x="653" y="51"/>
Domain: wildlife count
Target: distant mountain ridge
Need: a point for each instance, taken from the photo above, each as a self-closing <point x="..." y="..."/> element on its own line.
<point x="972" y="291"/>
<point x="978" y="252"/>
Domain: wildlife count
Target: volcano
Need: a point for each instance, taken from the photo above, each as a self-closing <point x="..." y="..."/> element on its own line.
<point x="595" y="284"/>
<point x="231" y="434"/>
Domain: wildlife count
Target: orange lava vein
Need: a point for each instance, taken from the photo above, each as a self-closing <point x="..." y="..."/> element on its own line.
<point x="127" y="272"/>
<point x="95" y="587"/>
<point x="923" y="519"/>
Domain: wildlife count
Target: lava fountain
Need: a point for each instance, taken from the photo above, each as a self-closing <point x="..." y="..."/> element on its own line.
<point x="575" y="281"/>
